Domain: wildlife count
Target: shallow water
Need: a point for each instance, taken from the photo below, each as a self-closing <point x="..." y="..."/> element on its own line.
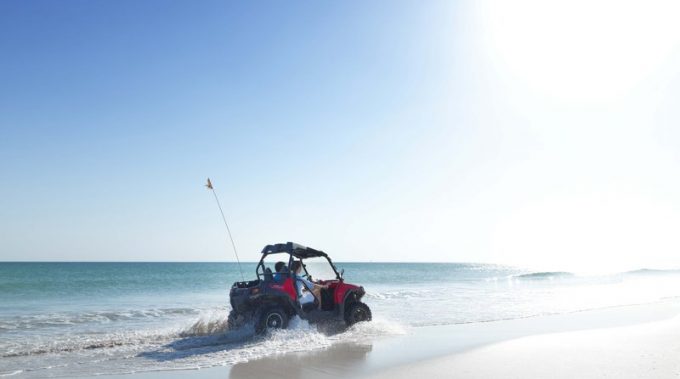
<point x="72" y="319"/>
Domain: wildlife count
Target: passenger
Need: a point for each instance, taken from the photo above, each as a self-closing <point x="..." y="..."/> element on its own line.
<point x="304" y="286"/>
<point x="281" y="271"/>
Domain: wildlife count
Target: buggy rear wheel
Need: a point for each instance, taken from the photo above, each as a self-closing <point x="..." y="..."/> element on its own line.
<point x="357" y="312"/>
<point x="272" y="318"/>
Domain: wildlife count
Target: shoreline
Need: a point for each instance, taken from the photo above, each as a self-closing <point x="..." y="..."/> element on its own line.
<point x="438" y="349"/>
<point x="647" y="350"/>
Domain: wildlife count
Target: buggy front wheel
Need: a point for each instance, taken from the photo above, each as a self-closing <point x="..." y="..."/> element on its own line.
<point x="357" y="312"/>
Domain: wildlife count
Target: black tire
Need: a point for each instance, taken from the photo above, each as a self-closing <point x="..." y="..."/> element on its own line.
<point x="235" y="320"/>
<point x="357" y="312"/>
<point x="271" y="318"/>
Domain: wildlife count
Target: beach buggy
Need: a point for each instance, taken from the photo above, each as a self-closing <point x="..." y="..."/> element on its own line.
<point x="273" y="298"/>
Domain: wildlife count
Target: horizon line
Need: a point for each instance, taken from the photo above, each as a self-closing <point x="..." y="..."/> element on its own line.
<point x="76" y="261"/>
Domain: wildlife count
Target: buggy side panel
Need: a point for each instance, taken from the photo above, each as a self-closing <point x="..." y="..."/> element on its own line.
<point x="341" y="291"/>
<point x="350" y="295"/>
<point x="288" y="287"/>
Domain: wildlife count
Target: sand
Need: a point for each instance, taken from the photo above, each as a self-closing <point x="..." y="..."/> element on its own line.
<point x="643" y="351"/>
<point x="625" y="342"/>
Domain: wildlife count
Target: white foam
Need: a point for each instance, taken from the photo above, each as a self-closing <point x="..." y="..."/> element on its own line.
<point x="11" y="373"/>
<point x="401" y="294"/>
<point x="202" y="342"/>
<point x="207" y="324"/>
<point x="379" y="327"/>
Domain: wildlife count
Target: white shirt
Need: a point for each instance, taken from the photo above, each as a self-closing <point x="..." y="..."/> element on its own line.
<point x="305" y="294"/>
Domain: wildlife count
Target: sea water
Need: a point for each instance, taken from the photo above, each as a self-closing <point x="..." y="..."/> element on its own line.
<point x="80" y="319"/>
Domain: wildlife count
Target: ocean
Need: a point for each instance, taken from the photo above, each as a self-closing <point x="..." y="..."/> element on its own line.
<point x="83" y="319"/>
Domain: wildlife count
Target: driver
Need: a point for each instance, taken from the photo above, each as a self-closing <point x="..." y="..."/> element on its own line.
<point x="304" y="286"/>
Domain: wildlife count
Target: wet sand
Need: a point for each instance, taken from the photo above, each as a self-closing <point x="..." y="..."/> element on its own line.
<point x="623" y="342"/>
<point x="648" y="350"/>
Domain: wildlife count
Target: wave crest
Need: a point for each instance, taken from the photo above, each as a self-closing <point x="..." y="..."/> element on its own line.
<point x="545" y="275"/>
<point x="50" y="320"/>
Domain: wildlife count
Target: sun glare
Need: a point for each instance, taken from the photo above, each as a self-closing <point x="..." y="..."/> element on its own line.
<point x="590" y="234"/>
<point x="582" y="51"/>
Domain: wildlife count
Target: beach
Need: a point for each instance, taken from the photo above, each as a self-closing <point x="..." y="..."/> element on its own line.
<point x="639" y="341"/>
<point x="159" y="320"/>
<point x="647" y="350"/>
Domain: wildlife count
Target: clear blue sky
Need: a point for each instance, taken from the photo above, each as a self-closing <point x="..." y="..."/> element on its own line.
<point x="382" y="130"/>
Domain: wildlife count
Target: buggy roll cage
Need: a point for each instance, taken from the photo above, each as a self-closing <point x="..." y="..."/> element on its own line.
<point x="294" y="250"/>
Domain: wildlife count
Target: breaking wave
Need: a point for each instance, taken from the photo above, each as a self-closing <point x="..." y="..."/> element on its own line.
<point x="648" y="271"/>
<point x="61" y="319"/>
<point x="545" y="275"/>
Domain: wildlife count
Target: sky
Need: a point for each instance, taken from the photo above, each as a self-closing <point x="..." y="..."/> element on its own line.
<point x="543" y="134"/>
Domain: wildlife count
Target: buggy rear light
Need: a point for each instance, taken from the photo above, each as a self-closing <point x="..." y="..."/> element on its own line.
<point x="254" y="291"/>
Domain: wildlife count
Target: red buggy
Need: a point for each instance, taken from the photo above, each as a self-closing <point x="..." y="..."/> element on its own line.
<point x="272" y="299"/>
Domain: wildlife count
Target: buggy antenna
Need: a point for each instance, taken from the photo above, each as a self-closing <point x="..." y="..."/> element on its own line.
<point x="210" y="187"/>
